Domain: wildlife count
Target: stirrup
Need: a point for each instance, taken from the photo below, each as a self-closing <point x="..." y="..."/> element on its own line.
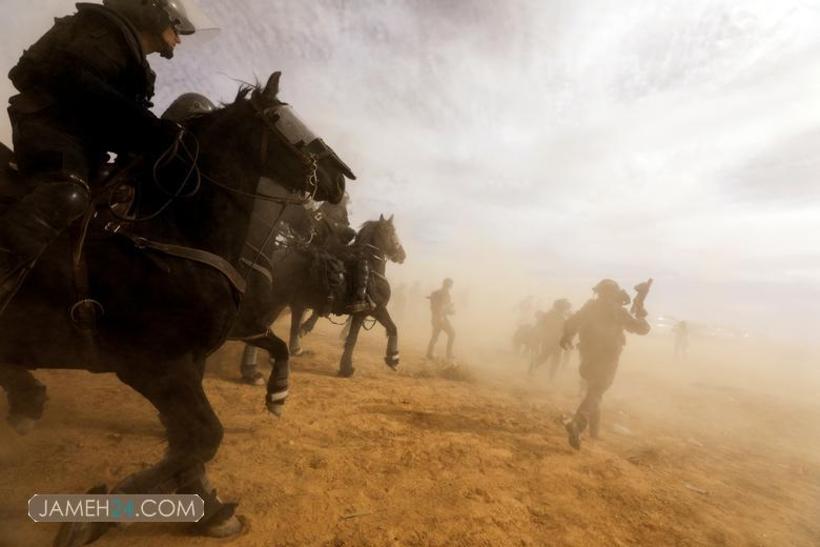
<point x="85" y="314"/>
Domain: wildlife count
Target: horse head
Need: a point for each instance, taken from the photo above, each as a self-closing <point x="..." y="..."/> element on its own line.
<point x="326" y="172"/>
<point x="382" y="235"/>
<point x="273" y="144"/>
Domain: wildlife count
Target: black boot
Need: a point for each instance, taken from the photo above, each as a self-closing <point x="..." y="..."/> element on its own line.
<point x="574" y="429"/>
<point x="362" y="303"/>
<point x="33" y="223"/>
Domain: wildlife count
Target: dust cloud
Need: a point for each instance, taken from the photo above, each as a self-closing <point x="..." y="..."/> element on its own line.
<point x="529" y="149"/>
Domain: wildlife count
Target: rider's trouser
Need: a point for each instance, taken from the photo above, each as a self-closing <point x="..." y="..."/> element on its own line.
<point x="56" y="165"/>
<point x="362" y="277"/>
<point x="34" y="222"/>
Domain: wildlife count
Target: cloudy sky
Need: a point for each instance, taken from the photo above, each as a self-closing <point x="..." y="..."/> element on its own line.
<point x="674" y="138"/>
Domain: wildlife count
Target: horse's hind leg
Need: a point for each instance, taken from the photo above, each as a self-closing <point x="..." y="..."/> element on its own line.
<point x="296" y="315"/>
<point x="346" y="369"/>
<point x="308" y="326"/>
<point x="26" y="396"/>
<point x="249" y="367"/>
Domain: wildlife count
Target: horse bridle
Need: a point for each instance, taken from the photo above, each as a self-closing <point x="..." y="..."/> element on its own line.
<point x="310" y="160"/>
<point x="198" y="255"/>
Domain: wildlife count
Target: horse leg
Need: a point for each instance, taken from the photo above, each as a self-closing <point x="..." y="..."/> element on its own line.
<point x="259" y="329"/>
<point x="248" y="368"/>
<point x="279" y="381"/>
<point x="296" y="315"/>
<point x="308" y="326"/>
<point x="194" y="435"/>
<point x="26" y="396"/>
<point x="346" y="329"/>
<point x="391" y="357"/>
<point x="346" y="369"/>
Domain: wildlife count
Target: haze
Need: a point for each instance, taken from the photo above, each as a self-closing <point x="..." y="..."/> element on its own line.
<point x="552" y="142"/>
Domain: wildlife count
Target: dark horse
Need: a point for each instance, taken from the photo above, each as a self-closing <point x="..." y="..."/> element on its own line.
<point x="303" y="283"/>
<point x="163" y="314"/>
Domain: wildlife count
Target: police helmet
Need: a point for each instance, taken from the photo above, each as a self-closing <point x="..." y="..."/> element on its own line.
<point x="188" y="105"/>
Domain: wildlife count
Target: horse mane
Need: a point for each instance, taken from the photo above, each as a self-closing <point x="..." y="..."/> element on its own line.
<point x="223" y="113"/>
<point x="245" y="90"/>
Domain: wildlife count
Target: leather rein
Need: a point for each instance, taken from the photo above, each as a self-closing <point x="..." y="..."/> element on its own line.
<point x="202" y="256"/>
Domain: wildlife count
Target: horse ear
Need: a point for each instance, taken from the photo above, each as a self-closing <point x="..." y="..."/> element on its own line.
<point x="390" y="220"/>
<point x="381" y="218"/>
<point x="272" y="87"/>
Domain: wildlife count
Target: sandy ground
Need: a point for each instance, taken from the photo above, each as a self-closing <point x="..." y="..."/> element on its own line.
<point x="688" y="457"/>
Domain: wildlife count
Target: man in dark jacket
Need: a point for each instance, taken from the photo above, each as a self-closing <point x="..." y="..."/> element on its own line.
<point x="85" y="90"/>
<point x="548" y="332"/>
<point x="441" y="307"/>
<point x="601" y="324"/>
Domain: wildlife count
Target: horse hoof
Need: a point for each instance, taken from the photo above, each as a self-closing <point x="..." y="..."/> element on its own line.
<point x="346" y="372"/>
<point x="230" y="527"/>
<point x="255" y="380"/>
<point x="297" y="352"/>
<point x="392" y="360"/>
<point x="276" y="410"/>
<point x="23" y="425"/>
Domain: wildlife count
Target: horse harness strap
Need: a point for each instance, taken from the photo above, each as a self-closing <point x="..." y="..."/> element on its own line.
<point x="378" y="254"/>
<point x="258" y="268"/>
<point x="86" y="311"/>
<point x="195" y="255"/>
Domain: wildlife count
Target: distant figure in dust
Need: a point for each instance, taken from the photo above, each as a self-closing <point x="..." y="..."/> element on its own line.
<point x="525" y="338"/>
<point x="549" y="330"/>
<point x="441" y="307"/>
<point x="525" y="309"/>
<point x="601" y="324"/>
<point x="681" y="332"/>
<point x="399" y="300"/>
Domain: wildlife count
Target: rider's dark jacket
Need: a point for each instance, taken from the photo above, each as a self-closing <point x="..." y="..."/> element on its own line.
<point x="85" y="89"/>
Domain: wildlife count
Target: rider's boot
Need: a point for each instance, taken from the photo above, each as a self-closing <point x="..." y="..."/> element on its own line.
<point x="362" y="302"/>
<point x="33" y="223"/>
<point x="574" y="428"/>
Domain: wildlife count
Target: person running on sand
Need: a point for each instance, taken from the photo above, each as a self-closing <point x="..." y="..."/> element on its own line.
<point x="441" y="307"/>
<point x="601" y="324"/>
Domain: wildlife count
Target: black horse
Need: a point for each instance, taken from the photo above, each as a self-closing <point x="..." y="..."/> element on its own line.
<point x="170" y="288"/>
<point x="306" y="277"/>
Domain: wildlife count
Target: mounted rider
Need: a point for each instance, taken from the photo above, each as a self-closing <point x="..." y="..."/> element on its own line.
<point x="85" y="89"/>
<point x="337" y="219"/>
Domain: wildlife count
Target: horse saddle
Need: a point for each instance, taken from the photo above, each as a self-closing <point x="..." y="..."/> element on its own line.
<point x="13" y="185"/>
<point x="118" y="194"/>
